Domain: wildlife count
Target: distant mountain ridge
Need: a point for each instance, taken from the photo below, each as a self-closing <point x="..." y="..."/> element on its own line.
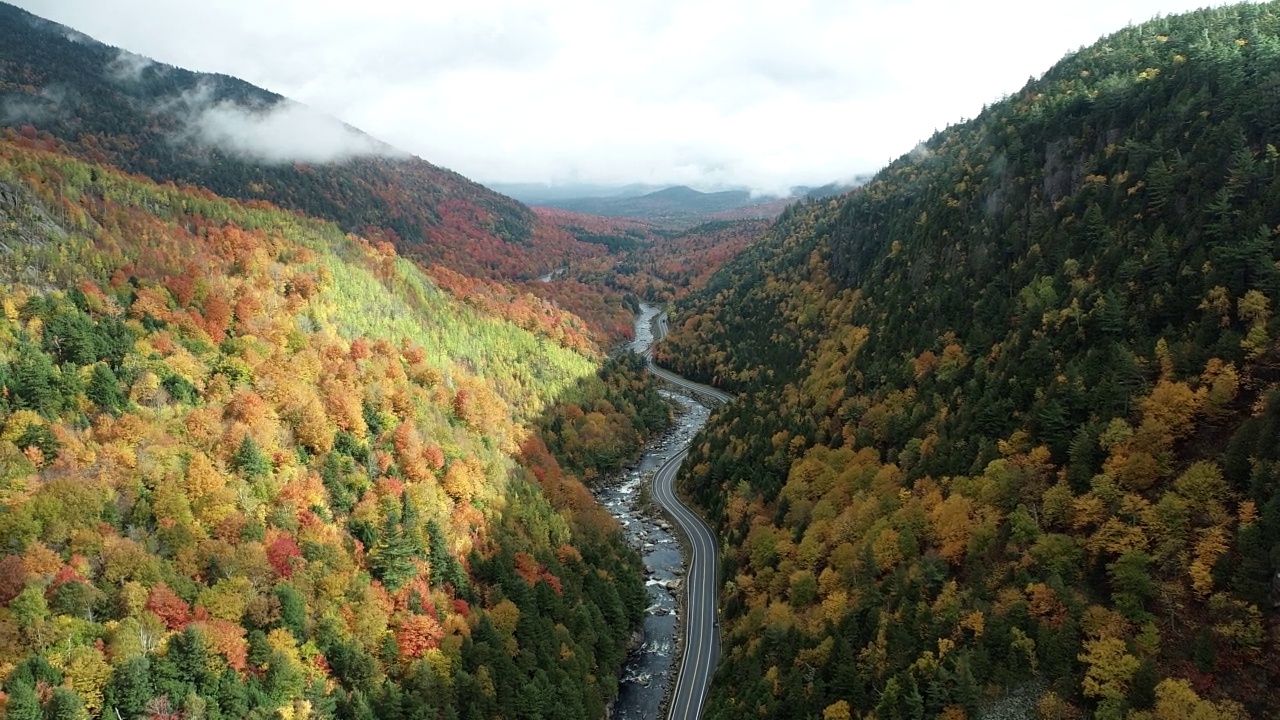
<point x="678" y="205"/>
<point x="542" y="193"/>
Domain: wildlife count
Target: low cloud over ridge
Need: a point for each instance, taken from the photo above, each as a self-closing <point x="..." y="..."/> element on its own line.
<point x="128" y="67"/>
<point x="698" y="92"/>
<point x="285" y="132"/>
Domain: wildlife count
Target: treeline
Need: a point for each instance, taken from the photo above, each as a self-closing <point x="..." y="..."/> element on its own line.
<point x="1009" y="413"/>
<point x="251" y="466"/>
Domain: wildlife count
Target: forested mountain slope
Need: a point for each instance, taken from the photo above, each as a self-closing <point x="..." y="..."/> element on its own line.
<point x="676" y="207"/>
<point x="254" y="467"/>
<point x="1011" y="416"/>
<point x="110" y="106"/>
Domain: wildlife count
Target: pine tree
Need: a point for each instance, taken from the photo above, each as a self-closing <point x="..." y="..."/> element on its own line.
<point x="33" y="380"/>
<point x="250" y="460"/>
<point x="22" y="703"/>
<point x="65" y="705"/>
<point x="104" y="389"/>
<point x="129" y="689"/>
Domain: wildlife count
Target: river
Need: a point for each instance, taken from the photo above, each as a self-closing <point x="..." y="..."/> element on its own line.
<point x="650" y="670"/>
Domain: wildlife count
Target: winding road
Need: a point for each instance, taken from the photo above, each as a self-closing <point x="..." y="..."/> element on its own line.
<point x="701" y="643"/>
<point x="697" y="389"/>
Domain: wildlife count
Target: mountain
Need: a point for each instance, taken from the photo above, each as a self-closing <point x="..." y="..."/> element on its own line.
<point x="673" y="206"/>
<point x="253" y="465"/>
<point x="543" y="193"/>
<point x="111" y="106"/>
<point x="570" y="195"/>
<point x="1007" y="427"/>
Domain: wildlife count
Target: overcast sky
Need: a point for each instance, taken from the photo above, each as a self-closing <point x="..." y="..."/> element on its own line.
<point x="705" y="92"/>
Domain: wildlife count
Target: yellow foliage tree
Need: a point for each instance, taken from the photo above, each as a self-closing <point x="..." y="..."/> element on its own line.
<point x="86" y="670"/>
<point x="887" y="549"/>
<point x="504" y="616"/>
<point x="227" y="599"/>
<point x="1167" y="415"/>
<point x="1255" y="309"/>
<point x="1109" y="668"/>
<point x="952" y="523"/>
<point x="1211" y="545"/>
<point x="838" y="710"/>
<point x="1177" y="700"/>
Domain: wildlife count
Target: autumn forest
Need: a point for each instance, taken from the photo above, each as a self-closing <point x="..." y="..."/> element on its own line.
<point x="319" y="440"/>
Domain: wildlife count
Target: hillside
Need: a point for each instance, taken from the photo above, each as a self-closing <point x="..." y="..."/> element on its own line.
<point x="254" y="466"/>
<point x="1008" y="431"/>
<point x="675" y="263"/>
<point x="678" y="206"/>
<point x="111" y="106"/>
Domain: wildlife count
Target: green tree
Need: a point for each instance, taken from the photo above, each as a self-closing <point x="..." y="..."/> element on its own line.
<point x="65" y="704"/>
<point x="40" y="436"/>
<point x="129" y="689"/>
<point x="104" y="389"/>
<point x="1132" y="584"/>
<point x="293" y="610"/>
<point x="33" y="380"/>
<point x="249" y="459"/>
<point x="70" y="338"/>
<point x="22" y="703"/>
<point x="31" y="613"/>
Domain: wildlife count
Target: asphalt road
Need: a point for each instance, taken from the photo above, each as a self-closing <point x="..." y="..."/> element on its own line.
<point x="701" y="642"/>
<point x="701" y="645"/>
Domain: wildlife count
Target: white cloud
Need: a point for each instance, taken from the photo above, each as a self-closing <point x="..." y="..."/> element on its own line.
<point x="762" y="92"/>
<point x="287" y="131"/>
<point x="51" y="102"/>
<point x="127" y="66"/>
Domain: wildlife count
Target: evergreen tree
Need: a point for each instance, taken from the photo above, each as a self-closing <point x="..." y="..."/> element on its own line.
<point x="65" y="704"/>
<point x="104" y="389"/>
<point x="129" y="689"/>
<point x="293" y="610"/>
<point x="69" y="336"/>
<point x="22" y="703"/>
<point x="250" y="460"/>
<point x="33" y="380"/>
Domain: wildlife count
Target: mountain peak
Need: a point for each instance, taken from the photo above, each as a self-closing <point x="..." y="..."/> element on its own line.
<point x="676" y="192"/>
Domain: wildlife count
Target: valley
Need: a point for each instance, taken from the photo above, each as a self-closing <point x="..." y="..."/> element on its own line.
<point x="992" y="432"/>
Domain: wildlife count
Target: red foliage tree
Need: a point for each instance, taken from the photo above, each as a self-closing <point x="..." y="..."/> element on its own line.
<point x="281" y="553"/>
<point x="217" y="316"/>
<point x="13" y="577"/>
<point x="528" y="568"/>
<point x="172" y="610"/>
<point x="227" y="638"/>
<point x="433" y="456"/>
<point x="417" y="634"/>
<point x="460" y="607"/>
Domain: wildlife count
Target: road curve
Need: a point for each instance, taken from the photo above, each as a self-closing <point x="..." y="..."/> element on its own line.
<point x="674" y="379"/>
<point x="701" y="644"/>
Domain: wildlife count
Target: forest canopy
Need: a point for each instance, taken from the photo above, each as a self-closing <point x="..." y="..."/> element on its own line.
<point x="1009" y="411"/>
<point x="254" y="466"/>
